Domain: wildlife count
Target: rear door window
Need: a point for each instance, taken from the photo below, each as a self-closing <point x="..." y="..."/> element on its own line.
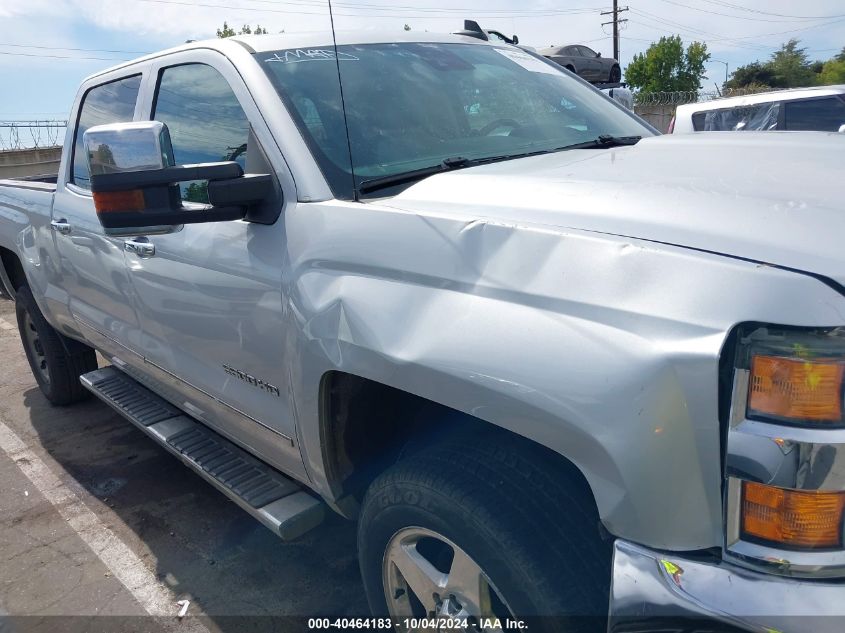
<point x="825" y="115"/>
<point x="113" y="102"/>
<point x="761" y="116"/>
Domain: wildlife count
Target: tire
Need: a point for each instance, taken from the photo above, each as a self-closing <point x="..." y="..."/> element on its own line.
<point x="55" y="368"/>
<point x="615" y="75"/>
<point x="519" y="512"/>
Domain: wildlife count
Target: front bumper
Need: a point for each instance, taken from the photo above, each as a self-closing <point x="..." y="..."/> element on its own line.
<point x="659" y="591"/>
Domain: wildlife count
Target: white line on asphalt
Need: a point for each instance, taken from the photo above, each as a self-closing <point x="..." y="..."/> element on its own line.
<point x="5" y="325"/>
<point x="153" y="596"/>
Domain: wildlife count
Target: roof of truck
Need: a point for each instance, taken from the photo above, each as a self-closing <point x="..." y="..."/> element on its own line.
<point x="309" y="39"/>
<point x="261" y="43"/>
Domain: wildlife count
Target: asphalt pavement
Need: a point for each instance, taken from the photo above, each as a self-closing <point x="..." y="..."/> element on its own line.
<point x="102" y="529"/>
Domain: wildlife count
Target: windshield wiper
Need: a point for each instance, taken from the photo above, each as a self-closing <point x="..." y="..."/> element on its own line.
<point x="447" y="164"/>
<point x="394" y="180"/>
<point x="605" y="141"/>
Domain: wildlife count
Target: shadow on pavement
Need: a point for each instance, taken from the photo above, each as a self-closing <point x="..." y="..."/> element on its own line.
<point x="199" y="543"/>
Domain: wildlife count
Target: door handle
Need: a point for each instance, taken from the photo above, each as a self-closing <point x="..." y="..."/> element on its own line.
<point x="141" y="247"/>
<point x="60" y="226"/>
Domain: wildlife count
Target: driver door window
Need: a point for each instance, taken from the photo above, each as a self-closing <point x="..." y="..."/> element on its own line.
<point x="206" y="122"/>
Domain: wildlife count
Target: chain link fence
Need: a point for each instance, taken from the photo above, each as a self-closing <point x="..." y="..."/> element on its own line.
<point x="658" y="108"/>
<point x="19" y="135"/>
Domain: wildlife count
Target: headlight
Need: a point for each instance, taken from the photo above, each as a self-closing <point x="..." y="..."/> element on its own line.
<point x="795" y="376"/>
<point x="785" y="450"/>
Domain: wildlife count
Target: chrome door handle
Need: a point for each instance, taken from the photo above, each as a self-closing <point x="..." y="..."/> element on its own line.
<point x="60" y="226"/>
<point x="141" y="247"/>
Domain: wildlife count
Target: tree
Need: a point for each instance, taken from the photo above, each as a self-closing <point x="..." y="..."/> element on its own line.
<point x="666" y="67"/>
<point x="753" y="74"/>
<point x="228" y="31"/>
<point x="833" y="72"/>
<point x="196" y="192"/>
<point x="791" y="67"/>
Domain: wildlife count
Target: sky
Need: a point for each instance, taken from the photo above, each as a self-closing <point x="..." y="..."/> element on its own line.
<point x="47" y="47"/>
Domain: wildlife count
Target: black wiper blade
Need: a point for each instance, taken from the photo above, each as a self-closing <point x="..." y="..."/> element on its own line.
<point x="604" y="141"/>
<point x="447" y="164"/>
<point x="394" y="180"/>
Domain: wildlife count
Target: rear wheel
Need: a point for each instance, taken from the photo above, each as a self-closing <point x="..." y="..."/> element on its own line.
<point x="615" y="74"/>
<point x="55" y="367"/>
<point x="480" y="530"/>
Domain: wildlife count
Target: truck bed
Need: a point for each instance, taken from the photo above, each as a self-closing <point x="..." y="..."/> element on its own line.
<point x="39" y="183"/>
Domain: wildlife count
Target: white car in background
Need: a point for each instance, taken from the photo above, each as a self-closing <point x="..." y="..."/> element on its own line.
<point x="809" y="109"/>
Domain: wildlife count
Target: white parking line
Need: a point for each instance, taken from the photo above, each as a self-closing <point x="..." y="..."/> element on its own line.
<point x="124" y="565"/>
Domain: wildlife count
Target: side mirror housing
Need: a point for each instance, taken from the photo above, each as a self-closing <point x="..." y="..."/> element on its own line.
<point x="515" y="40"/>
<point x="598" y="54"/>
<point x="135" y="183"/>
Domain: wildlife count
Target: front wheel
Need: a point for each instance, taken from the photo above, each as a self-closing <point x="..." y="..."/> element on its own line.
<point x="615" y="75"/>
<point x="480" y="531"/>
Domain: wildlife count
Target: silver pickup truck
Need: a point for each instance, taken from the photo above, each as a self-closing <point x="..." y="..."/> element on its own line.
<point x="553" y="363"/>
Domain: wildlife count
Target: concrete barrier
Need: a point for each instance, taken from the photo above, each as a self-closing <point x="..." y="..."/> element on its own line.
<point x="22" y="163"/>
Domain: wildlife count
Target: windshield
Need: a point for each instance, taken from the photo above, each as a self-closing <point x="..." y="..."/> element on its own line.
<point x="413" y="105"/>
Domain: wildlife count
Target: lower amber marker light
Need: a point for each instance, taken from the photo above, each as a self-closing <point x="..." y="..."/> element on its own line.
<point x="795" y="519"/>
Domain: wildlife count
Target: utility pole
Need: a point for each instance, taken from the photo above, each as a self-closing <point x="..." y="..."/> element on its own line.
<point x="615" y="22"/>
<point x="719" y="61"/>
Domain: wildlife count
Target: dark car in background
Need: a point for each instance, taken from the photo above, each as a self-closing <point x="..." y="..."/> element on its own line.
<point x="584" y="62"/>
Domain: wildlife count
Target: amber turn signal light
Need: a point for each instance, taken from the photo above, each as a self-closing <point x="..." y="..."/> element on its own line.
<point x="105" y="201"/>
<point x="799" y="390"/>
<point x="792" y="519"/>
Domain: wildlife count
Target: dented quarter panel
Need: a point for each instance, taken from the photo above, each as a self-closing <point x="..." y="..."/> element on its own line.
<point x="25" y="230"/>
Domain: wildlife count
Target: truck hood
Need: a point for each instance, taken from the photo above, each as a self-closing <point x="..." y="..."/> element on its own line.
<point x="770" y="197"/>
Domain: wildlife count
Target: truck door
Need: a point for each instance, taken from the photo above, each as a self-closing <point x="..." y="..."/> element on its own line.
<point x="210" y="297"/>
<point x="92" y="274"/>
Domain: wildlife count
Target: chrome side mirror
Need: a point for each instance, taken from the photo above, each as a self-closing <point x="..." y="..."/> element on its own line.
<point x="135" y="182"/>
<point x="128" y="147"/>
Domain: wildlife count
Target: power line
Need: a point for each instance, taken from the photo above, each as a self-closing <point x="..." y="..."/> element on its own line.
<point x="739" y="17"/>
<point x="395" y="11"/>
<point x="42" y="56"/>
<point x="359" y="5"/>
<point x="66" y="48"/>
<point x="736" y="41"/>
<point x="696" y="32"/>
<point x="782" y="15"/>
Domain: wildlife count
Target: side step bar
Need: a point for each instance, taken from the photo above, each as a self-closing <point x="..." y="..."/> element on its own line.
<point x="268" y="495"/>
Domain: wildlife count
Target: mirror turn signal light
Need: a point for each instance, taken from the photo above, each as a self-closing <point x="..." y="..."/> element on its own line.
<point x="132" y="200"/>
<point x="792" y="519"/>
<point x="795" y="389"/>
